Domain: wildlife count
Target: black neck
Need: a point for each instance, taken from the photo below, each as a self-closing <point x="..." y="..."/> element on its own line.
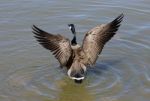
<point x="74" y="42"/>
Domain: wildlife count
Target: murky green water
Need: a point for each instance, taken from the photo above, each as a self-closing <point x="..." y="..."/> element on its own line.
<point x="28" y="72"/>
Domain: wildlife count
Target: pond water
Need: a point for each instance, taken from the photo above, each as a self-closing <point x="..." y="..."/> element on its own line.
<point x="28" y="72"/>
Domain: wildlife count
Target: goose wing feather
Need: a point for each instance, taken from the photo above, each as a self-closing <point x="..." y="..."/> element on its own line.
<point x="59" y="45"/>
<point x="96" y="38"/>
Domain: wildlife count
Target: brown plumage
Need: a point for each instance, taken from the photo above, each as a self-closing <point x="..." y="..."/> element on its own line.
<point x="74" y="57"/>
<point x="59" y="45"/>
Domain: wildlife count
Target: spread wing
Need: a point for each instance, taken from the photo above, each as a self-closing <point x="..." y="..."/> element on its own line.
<point x="59" y="45"/>
<point x="96" y="38"/>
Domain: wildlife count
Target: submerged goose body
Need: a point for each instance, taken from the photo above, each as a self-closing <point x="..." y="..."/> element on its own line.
<point x="74" y="57"/>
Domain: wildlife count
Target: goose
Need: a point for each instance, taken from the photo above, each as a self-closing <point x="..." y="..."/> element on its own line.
<point x="70" y="54"/>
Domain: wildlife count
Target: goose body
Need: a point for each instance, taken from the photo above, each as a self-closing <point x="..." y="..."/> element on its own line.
<point x="71" y="55"/>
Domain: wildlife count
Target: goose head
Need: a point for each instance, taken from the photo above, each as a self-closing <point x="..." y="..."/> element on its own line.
<point x="72" y="28"/>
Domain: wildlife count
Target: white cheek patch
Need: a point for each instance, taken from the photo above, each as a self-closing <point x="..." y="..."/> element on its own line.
<point x="81" y="78"/>
<point x="69" y="72"/>
<point x="70" y="27"/>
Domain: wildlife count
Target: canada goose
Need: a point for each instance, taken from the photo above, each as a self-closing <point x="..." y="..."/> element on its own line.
<point x="74" y="57"/>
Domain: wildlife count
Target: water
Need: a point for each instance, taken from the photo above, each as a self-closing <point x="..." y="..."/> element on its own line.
<point x="28" y="72"/>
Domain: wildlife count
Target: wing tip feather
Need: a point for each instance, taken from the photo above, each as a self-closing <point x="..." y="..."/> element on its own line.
<point x="119" y="19"/>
